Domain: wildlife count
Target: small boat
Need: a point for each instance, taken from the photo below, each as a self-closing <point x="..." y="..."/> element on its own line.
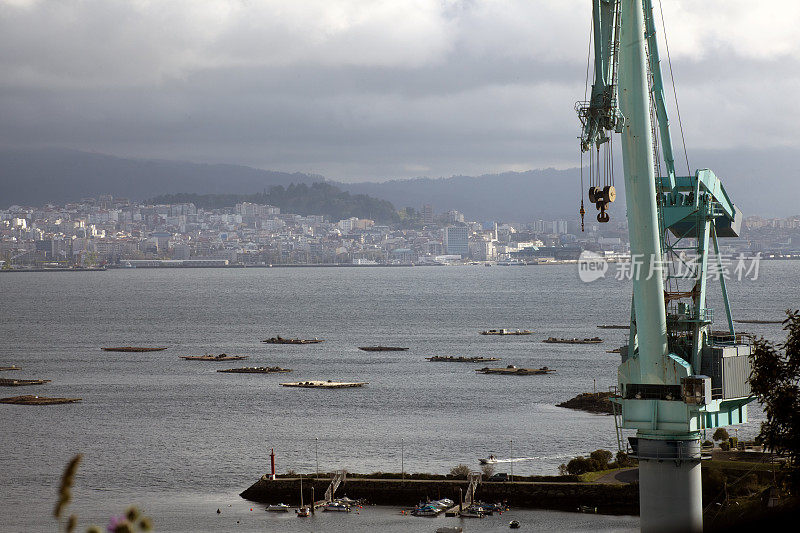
<point x="490" y="508"/>
<point x="759" y="321"/>
<point x="587" y="509"/>
<point x="278" y="508"/>
<point x="382" y="348"/>
<point x="488" y="461"/>
<point x="473" y="511"/>
<point x="336" y="506"/>
<point x="133" y="349"/>
<point x="281" y="340"/>
<point x="427" y="509"/>
<point x="592" y="340"/>
<point x="220" y="357"/>
<point x="303" y="511"/>
<point x="514" y="524"/>
<point x="348" y="501"/>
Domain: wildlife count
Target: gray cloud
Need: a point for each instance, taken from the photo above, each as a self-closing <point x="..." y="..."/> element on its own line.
<point x="368" y="90"/>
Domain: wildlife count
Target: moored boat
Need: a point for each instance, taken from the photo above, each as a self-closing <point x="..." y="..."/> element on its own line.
<point x="473" y="511"/>
<point x="337" y="506"/>
<point x="278" y="508"/>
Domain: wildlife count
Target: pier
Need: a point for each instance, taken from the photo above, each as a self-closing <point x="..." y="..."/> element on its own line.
<point x="566" y="496"/>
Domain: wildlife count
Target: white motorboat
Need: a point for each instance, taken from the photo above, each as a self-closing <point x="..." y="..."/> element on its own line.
<point x="337" y="507"/>
<point x="278" y="508"/>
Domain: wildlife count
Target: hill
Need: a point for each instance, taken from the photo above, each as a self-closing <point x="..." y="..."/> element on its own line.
<point x="36" y="177"/>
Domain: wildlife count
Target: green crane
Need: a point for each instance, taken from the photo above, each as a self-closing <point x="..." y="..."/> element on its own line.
<point x="678" y="376"/>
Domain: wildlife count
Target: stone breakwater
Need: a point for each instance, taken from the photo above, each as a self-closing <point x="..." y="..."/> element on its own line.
<point x="609" y="499"/>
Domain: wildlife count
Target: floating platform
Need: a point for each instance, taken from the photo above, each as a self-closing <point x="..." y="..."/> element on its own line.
<point x="12" y="367"/>
<point x="133" y="349"/>
<point x="506" y="332"/>
<point x="512" y="370"/>
<point x="22" y="382"/>
<point x="461" y="359"/>
<point x="325" y="384"/>
<point x="759" y="321"/>
<point x="382" y="348"/>
<point x="256" y="370"/>
<point x="592" y="340"/>
<point x="614" y="326"/>
<point x="281" y="340"/>
<point x="220" y="357"/>
<point x="37" y="400"/>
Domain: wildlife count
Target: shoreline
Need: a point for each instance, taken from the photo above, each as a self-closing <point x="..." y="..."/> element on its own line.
<point x="316" y="265"/>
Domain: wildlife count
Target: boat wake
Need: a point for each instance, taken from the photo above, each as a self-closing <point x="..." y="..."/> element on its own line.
<point x="494" y="460"/>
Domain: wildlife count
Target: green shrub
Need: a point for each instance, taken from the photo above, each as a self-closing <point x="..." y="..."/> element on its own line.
<point x="721" y="434"/>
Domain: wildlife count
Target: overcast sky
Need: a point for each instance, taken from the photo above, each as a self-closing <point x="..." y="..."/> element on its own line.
<point x="371" y="89"/>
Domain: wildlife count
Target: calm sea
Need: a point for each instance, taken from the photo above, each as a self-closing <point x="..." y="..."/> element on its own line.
<point x="181" y="440"/>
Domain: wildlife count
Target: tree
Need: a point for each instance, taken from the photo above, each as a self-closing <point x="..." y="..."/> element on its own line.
<point x="775" y="382"/>
<point x="580" y="465"/>
<point x="460" y="471"/>
<point x="487" y="469"/>
<point x="602" y="458"/>
<point x="720" y="434"/>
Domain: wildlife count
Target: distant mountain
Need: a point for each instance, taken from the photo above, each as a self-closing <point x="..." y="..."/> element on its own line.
<point x="760" y="182"/>
<point x="36" y="177"/>
<point x="511" y="196"/>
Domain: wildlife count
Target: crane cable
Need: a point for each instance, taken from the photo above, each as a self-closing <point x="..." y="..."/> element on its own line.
<point x="674" y="90"/>
<point x="582" y="211"/>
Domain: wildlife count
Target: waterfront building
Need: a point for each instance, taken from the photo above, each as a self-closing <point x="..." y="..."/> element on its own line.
<point x="457" y="240"/>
